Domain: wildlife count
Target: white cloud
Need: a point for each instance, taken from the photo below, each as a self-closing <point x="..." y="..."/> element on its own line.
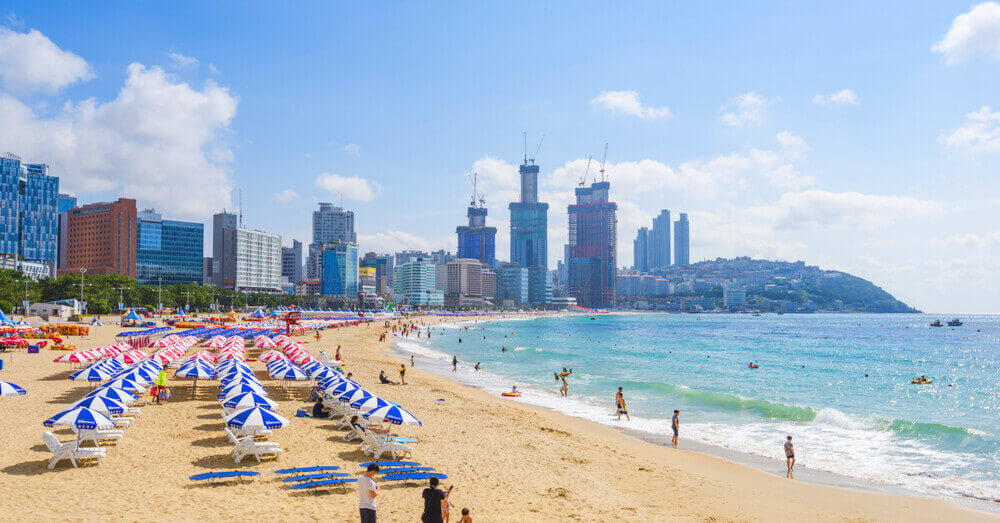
<point x="30" y="62"/>
<point x="974" y="33"/>
<point x="180" y="61"/>
<point x="212" y="69"/>
<point x="158" y="141"/>
<point x="841" y="97"/>
<point x="350" y="187"/>
<point x="13" y="20"/>
<point x="973" y="240"/>
<point x="627" y="102"/>
<point x="979" y="134"/>
<point x="395" y="241"/>
<point x="286" y="196"/>
<point x="352" y="148"/>
<point x="824" y="209"/>
<point x="745" y="110"/>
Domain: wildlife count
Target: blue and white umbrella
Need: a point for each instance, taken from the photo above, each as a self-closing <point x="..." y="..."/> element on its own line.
<point x="120" y="395"/>
<point x="368" y="404"/>
<point x="248" y="400"/>
<point x="127" y="384"/>
<point x="140" y="377"/>
<point x="393" y="414"/>
<point x="9" y="389"/>
<point x="101" y="404"/>
<point x="226" y="383"/>
<point x="91" y="373"/>
<point x="278" y="366"/>
<point x="324" y="373"/>
<point x="313" y="369"/>
<point x="329" y="381"/>
<point x="354" y="395"/>
<point x="112" y="365"/>
<point x="81" y="418"/>
<point x="256" y="418"/>
<point x="241" y="388"/>
<point x="235" y="373"/>
<point x="342" y="387"/>
<point x="198" y="371"/>
<point x="290" y="374"/>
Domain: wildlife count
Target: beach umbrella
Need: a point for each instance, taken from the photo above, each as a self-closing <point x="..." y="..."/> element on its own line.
<point x="126" y="384"/>
<point x="290" y="374"/>
<point x="369" y="404"/>
<point x="102" y="404"/>
<point x="324" y="373"/>
<point x="120" y="395"/>
<point x="313" y="367"/>
<point x="248" y="400"/>
<point x="80" y="418"/>
<point x="241" y="388"/>
<point x="270" y="355"/>
<point x="354" y="395"/>
<point x="142" y="377"/>
<point x="197" y="371"/>
<point x="92" y="373"/>
<point x="256" y="418"/>
<point x="342" y="387"/>
<point x="265" y="343"/>
<point x="9" y="389"/>
<point x="393" y="414"/>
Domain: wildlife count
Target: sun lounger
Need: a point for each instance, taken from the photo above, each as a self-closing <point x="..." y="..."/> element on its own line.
<point x="236" y="436"/>
<point x="239" y="474"/>
<point x="319" y="475"/>
<point x="255" y="449"/>
<point x="391" y="464"/>
<point x="412" y="476"/>
<point x="395" y="470"/>
<point x="371" y="444"/>
<point x="307" y="469"/>
<point x="69" y="450"/>
<point x="97" y="436"/>
<point x="324" y="483"/>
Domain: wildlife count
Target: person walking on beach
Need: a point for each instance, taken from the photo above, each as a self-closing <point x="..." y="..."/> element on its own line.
<point x="367" y="490"/>
<point x="402" y="374"/>
<point x="789" y="455"/>
<point x="433" y="500"/>
<point x="675" y="425"/>
<point x="620" y="404"/>
<point x="564" y="390"/>
<point x="454" y="363"/>
<point x="411" y="360"/>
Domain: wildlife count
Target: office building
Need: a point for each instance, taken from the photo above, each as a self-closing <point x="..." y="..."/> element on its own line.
<point x="477" y="240"/>
<point x="101" y="238"/>
<point x="291" y="262"/>
<point x="382" y="263"/>
<point x="207" y="271"/>
<point x="512" y="284"/>
<point x="593" y="225"/>
<point x="64" y="203"/>
<point x="465" y="286"/>
<point x="329" y="224"/>
<point x="408" y="256"/>
<point x="734" y="297"/>
<point x="682" y="241"/>
<point x="488" y="283"/>
<point x="640" y="250"/>
<point x="529" y="222"/>
<point x="366" y="279"/>
<point x="540" y="288"/>
<point x="659" y="242"/>
<point x="414" y="284"/>
<point x="29" y="223"/>
<point x="243" y="259"/>
<point x="339" y="275"/>
<point x="168" y="251"/>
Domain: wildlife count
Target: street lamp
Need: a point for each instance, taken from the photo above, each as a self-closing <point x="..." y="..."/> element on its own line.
<point x="159" y="289"/>
<point x="82" y="272"/>
<point x="121" y="296"/>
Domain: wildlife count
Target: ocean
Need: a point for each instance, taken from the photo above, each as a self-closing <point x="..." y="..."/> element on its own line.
<point x="838" y="383"/>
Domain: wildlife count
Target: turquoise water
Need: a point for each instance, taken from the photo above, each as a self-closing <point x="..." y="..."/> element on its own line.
<point x="938" y="438"/>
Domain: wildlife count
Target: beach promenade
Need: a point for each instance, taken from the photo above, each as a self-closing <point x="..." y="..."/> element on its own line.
<point x="508" y="461"/>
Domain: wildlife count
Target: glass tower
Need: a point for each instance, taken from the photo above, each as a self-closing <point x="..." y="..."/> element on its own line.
<point x="593" y="225"/>
<point x="168" y="249"/>
<point x="682" y="240"/>
<point x="529" y="222"/>
<point x="339" y="270"/>
<point x="29" y="218"/>
<point x="477" y="240"/>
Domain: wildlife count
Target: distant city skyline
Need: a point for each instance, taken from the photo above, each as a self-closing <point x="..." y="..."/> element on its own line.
<point x="825" y="133"/>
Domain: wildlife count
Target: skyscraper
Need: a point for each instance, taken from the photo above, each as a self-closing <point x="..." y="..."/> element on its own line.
<point x="29" y="223"/>
<point x="339" y="275"/>
<point x="101" y="238"/>
<point x="329" y="224"/>
<point x="64" y="203"/>
<point x="529" y="222"/>
<point x="477" y="240"/>
<point x="640" y="250"/>
<point x="168" y="249"/>
<point x="593" y="225"/>
<point x="682" y="241"/>
<point x="291" y="262"/>
<point x="245" y="259"/>
<point x="659" y="242"/>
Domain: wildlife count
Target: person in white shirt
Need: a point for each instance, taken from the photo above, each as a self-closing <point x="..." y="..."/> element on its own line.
<point x="367" y="490"/>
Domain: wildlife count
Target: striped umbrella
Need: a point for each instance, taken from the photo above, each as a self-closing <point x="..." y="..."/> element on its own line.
<point x="290" y="374"/>
<point x="249" y="400"/>
<point x="393" y="414"/>
<point x="256" y="418"/>
<point x="120" y="395"/>
<point x="198" y="370"/>
<point x="81" y="418"/>
<point x="370" y="404"/>
<point x="9" y="389"/>
<point x="101" y="404"/>
<point x="325" y="372"/>
<point x="91" y="373"/>
<point x="265" y="343"/>
<point x="241" y="388"/>
<point x="127" y="384"/>
<point x="354" y="395"/>
<point x="270" y="355"/>
<point x="342" y="387"/>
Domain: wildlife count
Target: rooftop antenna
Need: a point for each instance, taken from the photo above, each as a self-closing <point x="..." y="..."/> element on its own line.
<point x="583" y="180"/>
<point x="604" y="159"/>
<point x="240" y="196"/>
<point x="525" y="147"/>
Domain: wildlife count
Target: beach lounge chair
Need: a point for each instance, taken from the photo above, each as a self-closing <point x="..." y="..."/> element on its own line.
<point x="396" y="470"/>
<point x="324" y="483"/>
<point x="371" y="444"/>
<point x="237" y="437"/>
<point x="243" y="433"/>
<point x="319" y="475"/>
<point x="304" y="470"/>
<point x="413" y="476"/>
<point x="255" y="449"/>
<point x="390" y="464"/>
<point x="238" y="474"/>
<point x="69" y="450"/>
<point x="97" y="436"/>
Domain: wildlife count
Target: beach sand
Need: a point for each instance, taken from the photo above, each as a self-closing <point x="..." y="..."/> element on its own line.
<point x="508" y="461"/>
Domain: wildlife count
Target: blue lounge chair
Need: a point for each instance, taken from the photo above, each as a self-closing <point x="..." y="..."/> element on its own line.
<point x="392" y="464"/>
<point x="239" y="474"/>
<point x="393" y="470"/>
<point x="409" y="476"/>
<point x="324" y="483"/>
<point x="307" y="469"/>
<point x="317" y="476"/>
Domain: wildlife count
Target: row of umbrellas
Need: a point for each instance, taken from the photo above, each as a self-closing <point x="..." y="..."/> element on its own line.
<point x="112" y="398"/>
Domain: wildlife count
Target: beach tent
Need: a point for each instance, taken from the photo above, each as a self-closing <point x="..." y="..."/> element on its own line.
<point x="131" y="315"/>
<point x="4" y="320"/>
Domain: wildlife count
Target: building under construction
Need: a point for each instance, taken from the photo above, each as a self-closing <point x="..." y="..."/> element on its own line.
<point x="476" y="240"/>
<point x="593" y="225"/>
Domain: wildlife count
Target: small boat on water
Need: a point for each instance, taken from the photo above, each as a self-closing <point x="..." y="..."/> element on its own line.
<point x="955" y="323"/>
<point x="922" y="380"/>
<point x="937" y="323"/>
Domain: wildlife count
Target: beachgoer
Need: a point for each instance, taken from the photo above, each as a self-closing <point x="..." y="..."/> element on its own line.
<point x="433" y="498"/>
<point x="319" y="412"/>
<point x="336" y="355"/>
<point x="358" y="427"/>
<point x="402" y="374"/>
<point x="675" y="425"/>
<point x="503" y="349"/>
<point x="446" y="505"/>
<point x="564" y="391"/>
<point x="477" y="366"/>
<point x="411" y="360"/>
<point x="620" y="404"/>
<point x="350" y="375"/>
<point x="454" y="363"/>
<point x="466" y="518"/>
<point x="315" y="394"/>
<point x="383" y="379"/>
<point x="367" y="491"/>
<point x="514" y="391"/>
<point x="789" y="455"/>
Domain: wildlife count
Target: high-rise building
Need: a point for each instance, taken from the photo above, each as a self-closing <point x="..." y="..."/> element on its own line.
<point x="512" y="283"/>
<point x="640" y="250"/>
<point x="539" y="285"/>
<point x="245" y="259"/>
<point x="659" y="242"/>
<point x="64" y="203"/>
<point x="339" y="276"/>
<point x="465" y="284"/>
<point x="101" y="238"/>
<point x="382" y="263"/>
<point x="329" y="224"/>
<point x="29" y="222"/>
<point x="414" y="284"/>
<point x="408" y="256"/>
<point x="291" y="262"/>
<point x="682" y="241"/>
<point x="168" y="251"/>
<point x="488" y="283"/>
<point x="593" y="225"/>
<point x="529" y="222"/>
<point x="477" y="240"/>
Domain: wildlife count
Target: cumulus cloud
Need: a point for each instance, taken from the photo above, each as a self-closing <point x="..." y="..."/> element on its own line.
<point x="30" y="62"/>
<point x="180" y="61"/>
<point x="841" y="97"/>
<point x="350" y="187"/>
<point x="744" y="110"/>
<point x="286" y="196"/>
<point x="395" y="241"/>
<point x="352" y="148"/>
<point x="158" y="141"/>
<point x="824" y="209"/>
<point x="628" y="102"/>
<point x="975" y="33"/>
<point x="980" y="133"/>
<point x="973" y="240"/>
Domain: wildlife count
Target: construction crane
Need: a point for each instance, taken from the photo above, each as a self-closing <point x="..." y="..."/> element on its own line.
<point x="531" y="159"/>
<point x="583" y="180"/>
<point x="604" y="159"/>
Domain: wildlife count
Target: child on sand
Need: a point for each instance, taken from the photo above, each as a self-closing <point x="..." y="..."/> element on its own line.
<point x="466" y="518"/>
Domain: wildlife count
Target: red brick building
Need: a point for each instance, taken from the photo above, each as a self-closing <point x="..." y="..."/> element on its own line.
<point x="101" y="238"/>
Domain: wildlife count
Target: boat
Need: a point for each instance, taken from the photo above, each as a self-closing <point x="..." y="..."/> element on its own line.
<point x="955" y="323"/>
<point x="752" y="366"/>
<point x="922" y="380"/>
<point x="937" y="323"/>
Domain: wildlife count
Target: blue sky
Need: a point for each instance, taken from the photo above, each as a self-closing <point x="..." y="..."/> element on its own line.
<point x="843" y="135"/>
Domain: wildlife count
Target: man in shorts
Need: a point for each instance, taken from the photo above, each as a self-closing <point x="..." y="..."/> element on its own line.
<point x="789" y="455"/>
<point x="675" y="425"/>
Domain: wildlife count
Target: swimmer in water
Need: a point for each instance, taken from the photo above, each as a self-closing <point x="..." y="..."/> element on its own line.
<point x="477" y="366"/>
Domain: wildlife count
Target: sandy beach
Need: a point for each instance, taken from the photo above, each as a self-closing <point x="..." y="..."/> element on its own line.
<point x="508" y="461"/>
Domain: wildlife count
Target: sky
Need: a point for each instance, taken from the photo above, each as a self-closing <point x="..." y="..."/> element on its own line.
<point x="852" y="136"/>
